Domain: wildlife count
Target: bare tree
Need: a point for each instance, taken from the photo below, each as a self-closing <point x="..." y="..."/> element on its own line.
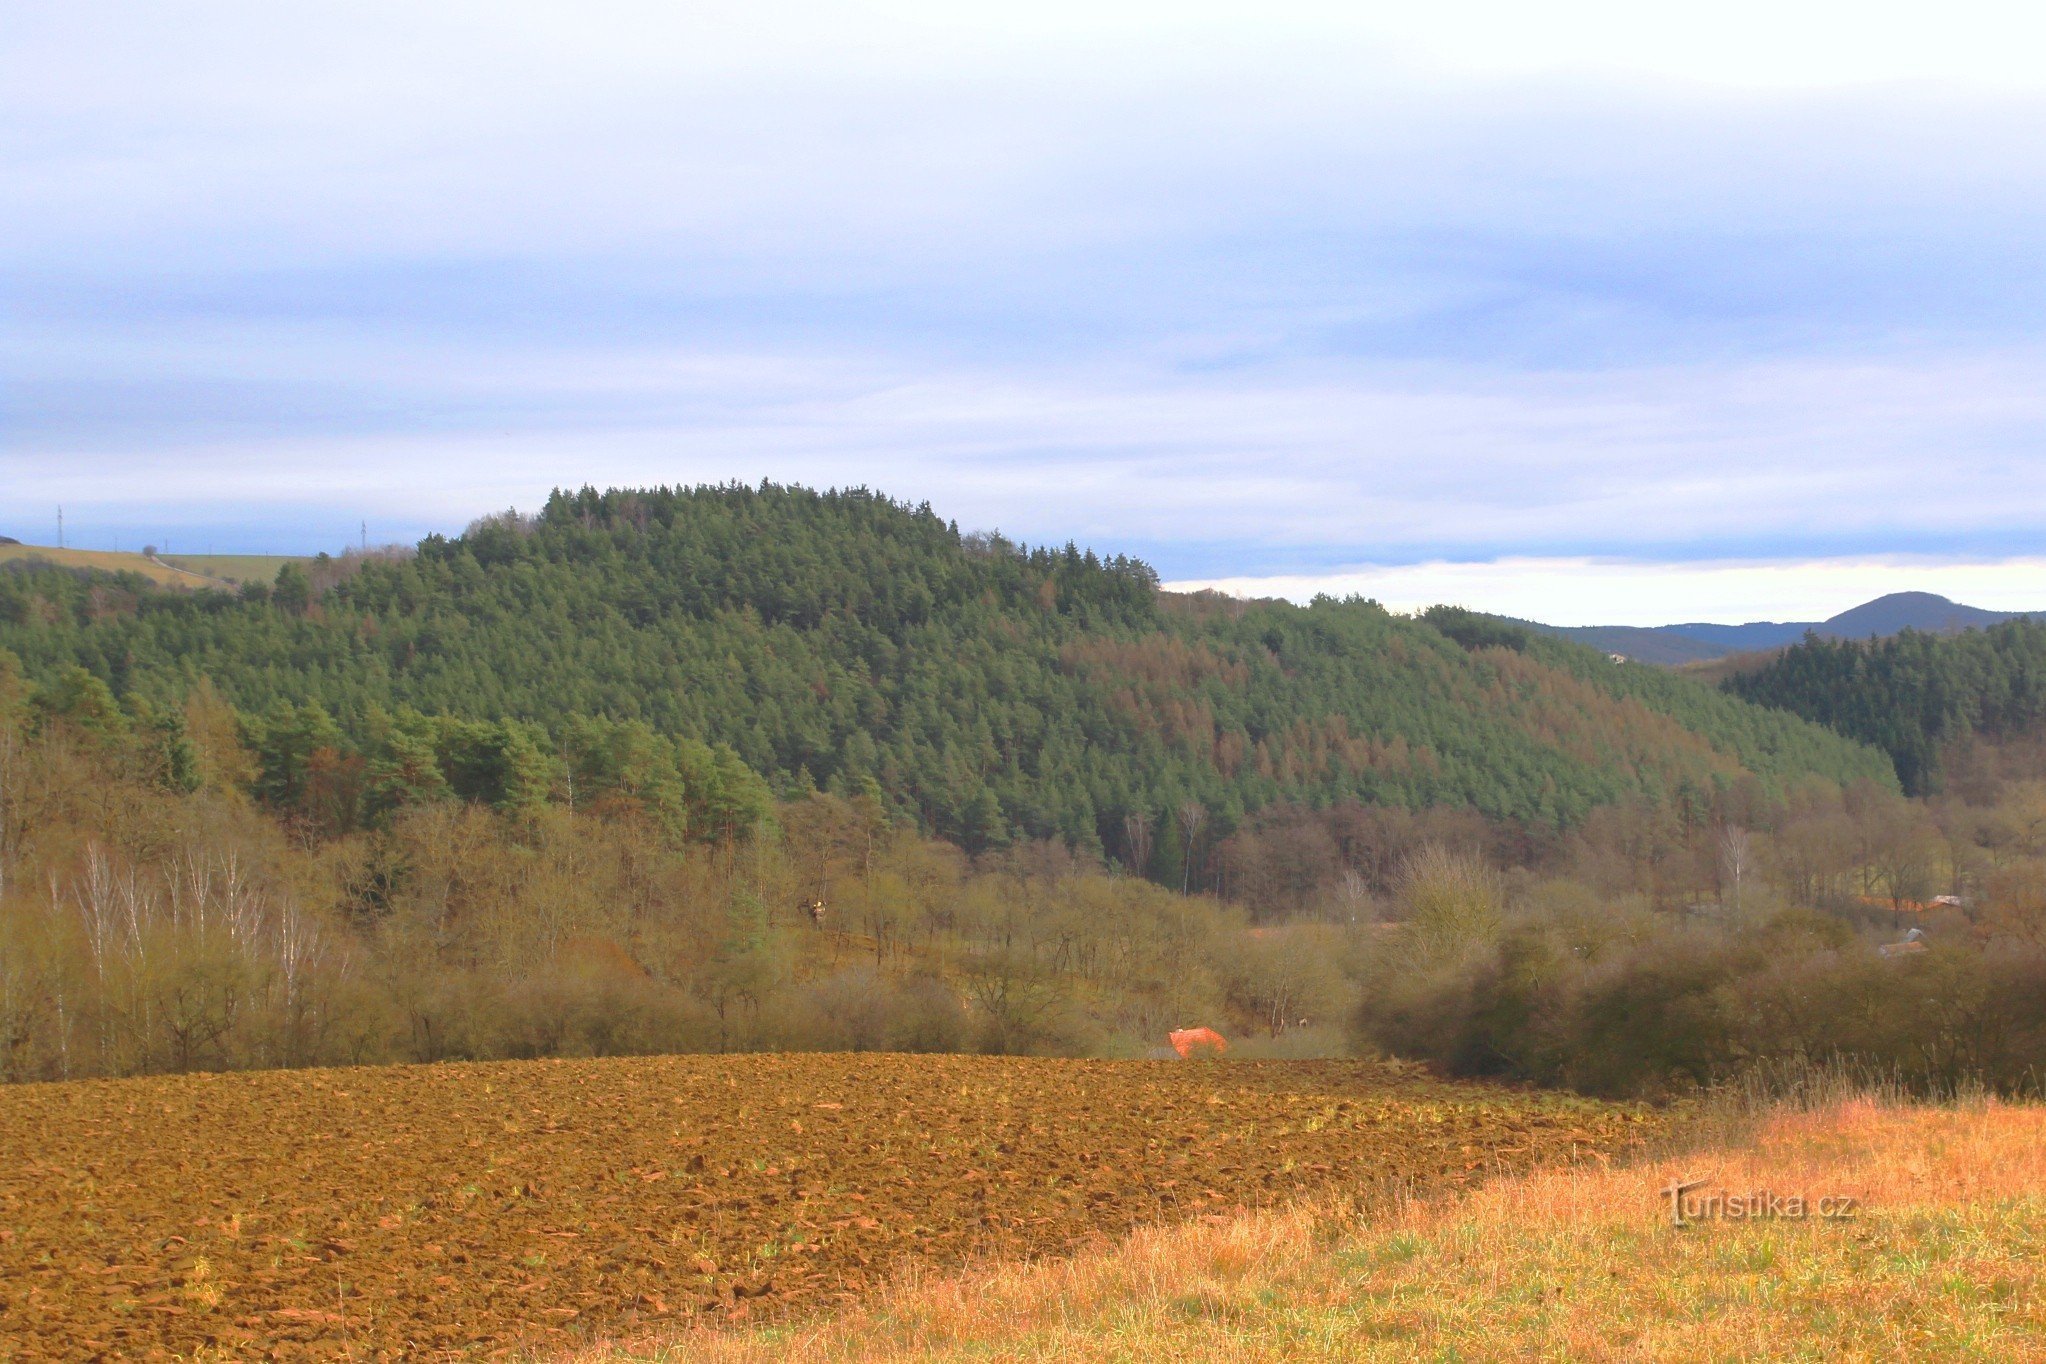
<point x="1736" y="864"/>
<point x="1354" y="898"/>
<point x="1453" y="902"/>
<point x="1192" y="814"/>
<point x="1137" y="827"/>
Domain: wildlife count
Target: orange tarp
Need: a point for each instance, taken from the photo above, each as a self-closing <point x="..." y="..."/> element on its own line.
<point x="1187" y="1041"/>
<point x="1901" y="906"/>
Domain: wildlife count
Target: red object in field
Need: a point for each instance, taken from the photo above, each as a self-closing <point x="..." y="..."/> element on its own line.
<point x="1187" y="1041"/>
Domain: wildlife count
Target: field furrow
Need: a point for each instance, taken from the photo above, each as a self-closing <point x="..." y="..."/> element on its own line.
<point x="456" y="1209"/>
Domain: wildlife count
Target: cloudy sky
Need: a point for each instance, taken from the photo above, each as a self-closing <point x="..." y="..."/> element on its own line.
<point x="1588" y="312"/>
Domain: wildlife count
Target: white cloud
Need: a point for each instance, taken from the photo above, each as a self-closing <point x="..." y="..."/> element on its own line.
<point x="1274" y="465"/>
<point x="265" y="134"/>
<point x="1585" y="591"/>
<point x="1242" y="288"/>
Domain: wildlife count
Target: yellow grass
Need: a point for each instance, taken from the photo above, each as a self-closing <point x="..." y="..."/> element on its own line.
<point x="110" y="561"/>
<point x="1942" y="1261"/>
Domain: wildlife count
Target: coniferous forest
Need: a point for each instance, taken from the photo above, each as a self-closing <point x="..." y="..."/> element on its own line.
<point x="1913" y="692"/>
<point x="847" y="643"/>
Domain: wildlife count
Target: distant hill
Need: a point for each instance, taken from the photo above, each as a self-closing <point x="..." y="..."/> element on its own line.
<point x="233" y="568"/>
<point x="1901" y="611"/>
<point x="1696" y="641"/>
<point x="1754" y="634"/>
<point x="1660" y="645"/>
<point x="988" y="690"/>
<point x="171" y="570"/>
<point x="157" y="571"/>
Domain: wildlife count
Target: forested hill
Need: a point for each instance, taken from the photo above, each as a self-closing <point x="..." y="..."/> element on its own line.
<point x="849" y="641"/>
<point x="1911" y="693"/>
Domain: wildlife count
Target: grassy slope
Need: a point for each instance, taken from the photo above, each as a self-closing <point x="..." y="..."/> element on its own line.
<point x="1714" y="671"/>
<point x="171" y="573"/>
<point x="172" y="570"/>
<point x="1945" y="1261"/>
<point x="234" y="568"/>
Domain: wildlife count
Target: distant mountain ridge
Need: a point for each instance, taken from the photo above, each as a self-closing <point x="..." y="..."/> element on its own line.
<point x="1695" y="641"/>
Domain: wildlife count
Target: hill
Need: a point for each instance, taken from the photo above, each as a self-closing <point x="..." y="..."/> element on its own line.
<point x="1911" y="693"/>
<point x="1656" y="644"/>
<point x="168" y="570"/>
<point x="1901" y="611"/>
<point x="1697" y="641"/>
<point x="990" y="690"/>
<point x="162" y="572"/>
<point x="234" y="569"/>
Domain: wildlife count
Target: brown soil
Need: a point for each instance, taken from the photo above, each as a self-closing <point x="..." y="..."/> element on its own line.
<point x="497" y="1208"/>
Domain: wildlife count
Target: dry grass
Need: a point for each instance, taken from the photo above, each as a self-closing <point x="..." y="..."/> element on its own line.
<point x="1943" y="1260"/>
<point x="110" y="561"/>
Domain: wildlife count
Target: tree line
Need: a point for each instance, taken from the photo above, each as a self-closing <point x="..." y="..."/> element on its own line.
<point x="197" y="888"/>
<point x="203" y="889"/>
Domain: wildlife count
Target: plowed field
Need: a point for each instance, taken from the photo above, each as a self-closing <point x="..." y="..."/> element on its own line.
<point x="494" y="1208"/>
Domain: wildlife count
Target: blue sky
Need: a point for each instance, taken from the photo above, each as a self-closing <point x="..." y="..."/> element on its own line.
<point x="1584" y="311"/>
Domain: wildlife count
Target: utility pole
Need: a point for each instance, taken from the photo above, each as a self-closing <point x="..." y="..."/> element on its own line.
<point x="60" y="525"/>
<point x="365" y="537"/>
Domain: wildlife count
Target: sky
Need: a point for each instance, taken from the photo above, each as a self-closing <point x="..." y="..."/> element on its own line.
<point x="1590" y="313"/>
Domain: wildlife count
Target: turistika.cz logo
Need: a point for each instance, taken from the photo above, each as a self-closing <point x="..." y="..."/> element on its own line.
<point x="1692" y="1200"/>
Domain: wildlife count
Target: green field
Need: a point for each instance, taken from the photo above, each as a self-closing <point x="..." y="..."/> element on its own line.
<point x="233" y="568"/>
